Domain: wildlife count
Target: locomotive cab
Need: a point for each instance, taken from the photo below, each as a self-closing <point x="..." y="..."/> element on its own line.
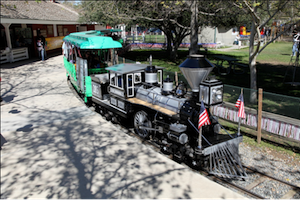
<point x="126" y="78"/>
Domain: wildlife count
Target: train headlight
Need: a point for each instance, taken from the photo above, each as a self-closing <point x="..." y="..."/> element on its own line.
<point x="211" y="92"/>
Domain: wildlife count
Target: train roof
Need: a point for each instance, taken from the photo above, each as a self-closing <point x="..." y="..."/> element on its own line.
<point x="91" y="40"/>
<point x="125" y="68"/>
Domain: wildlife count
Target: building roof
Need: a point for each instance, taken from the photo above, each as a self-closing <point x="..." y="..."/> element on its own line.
<point x="33" y="10"/>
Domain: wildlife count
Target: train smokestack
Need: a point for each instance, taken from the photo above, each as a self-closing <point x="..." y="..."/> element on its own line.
<point x="195" y="69"/>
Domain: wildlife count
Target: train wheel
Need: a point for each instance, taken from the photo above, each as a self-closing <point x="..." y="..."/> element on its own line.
<point x="141" y="118"/>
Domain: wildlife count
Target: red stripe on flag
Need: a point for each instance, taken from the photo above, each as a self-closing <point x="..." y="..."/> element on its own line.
<point x="238" y="102"/>
<point x="242" y="110"/>
<point x="203" y="117"/>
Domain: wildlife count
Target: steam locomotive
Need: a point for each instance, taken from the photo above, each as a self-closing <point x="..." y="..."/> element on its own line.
<point x="166" y="114"/>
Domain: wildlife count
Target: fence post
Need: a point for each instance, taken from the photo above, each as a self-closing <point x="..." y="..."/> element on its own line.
<point x="260" y="95"/>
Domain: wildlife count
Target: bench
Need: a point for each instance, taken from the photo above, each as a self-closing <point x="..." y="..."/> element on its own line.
<point x="223" y="70"/>
<point x="241" y="66"/>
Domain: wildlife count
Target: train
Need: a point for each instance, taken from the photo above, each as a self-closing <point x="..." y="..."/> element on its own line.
<point x="161" y="109"/>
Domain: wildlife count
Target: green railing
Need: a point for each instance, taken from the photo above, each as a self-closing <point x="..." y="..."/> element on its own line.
<point x="273" y="103"/>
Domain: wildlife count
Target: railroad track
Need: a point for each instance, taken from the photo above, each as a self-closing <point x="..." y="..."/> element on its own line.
<point x="249" y="188"/>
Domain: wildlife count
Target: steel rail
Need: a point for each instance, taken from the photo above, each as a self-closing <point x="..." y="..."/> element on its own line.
<point x="295" y="187"/>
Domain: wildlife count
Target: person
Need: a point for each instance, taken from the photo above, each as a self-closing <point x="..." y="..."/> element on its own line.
<point x="238" y="41"/>
<point x="17" y="43"/>
<point x="63" y="47"/>
<point x="42" y="38"/>
<point x="296" y="40"/>
<point x="40" y="48"/>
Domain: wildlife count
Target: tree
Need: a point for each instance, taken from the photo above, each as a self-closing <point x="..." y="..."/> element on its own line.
<point x="211" y="13"/>
<point x="262" y="13"/>
<point x="161" y="14"/>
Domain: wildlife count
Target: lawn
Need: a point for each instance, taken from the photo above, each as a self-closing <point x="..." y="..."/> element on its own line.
<point x="271" y="66"/>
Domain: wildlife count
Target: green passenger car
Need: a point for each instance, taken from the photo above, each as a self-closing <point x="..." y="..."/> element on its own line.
<point x="88" y="53"/>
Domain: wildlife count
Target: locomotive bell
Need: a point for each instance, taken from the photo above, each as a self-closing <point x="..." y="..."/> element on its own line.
<point x="195" y="69"/>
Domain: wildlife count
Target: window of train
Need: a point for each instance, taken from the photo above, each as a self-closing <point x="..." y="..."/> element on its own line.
<point x="120" y="81"/>
<point x="137" y="77"/>
<point x="116" y="80"/>
<point x="112" y="79"/>
<point x="130" y="86"/>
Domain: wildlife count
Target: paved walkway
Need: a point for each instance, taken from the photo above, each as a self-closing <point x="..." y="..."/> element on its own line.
<point x="58" y="148"/>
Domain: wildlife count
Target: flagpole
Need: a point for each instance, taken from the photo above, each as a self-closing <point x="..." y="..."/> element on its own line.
<point x="200" y="138"/>
<point x="239" y="127"/>
<point x="200" y="133"/>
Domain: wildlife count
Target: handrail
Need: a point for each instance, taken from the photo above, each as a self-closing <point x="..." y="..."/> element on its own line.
<point x="222" y="126"/>
<point x="197" y="132"/>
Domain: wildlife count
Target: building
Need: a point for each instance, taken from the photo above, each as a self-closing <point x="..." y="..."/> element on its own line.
<point x="21" y="21"/>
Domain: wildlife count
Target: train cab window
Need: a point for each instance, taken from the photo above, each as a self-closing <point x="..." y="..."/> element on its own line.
<point x="130" y="85"/>
<point x="116" y="80"/>
<point x="120" y="81"/>
<point x="137" y="78"/>
<point x="112" y="78"/>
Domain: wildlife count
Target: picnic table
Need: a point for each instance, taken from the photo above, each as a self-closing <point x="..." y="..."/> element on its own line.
<point x="233" y="63"/>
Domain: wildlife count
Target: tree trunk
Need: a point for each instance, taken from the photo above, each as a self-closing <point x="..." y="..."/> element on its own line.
<point x="169" y="45"/>
<point x="174" y="52"/>
<point x="194" y="28"/>
<point x="253" y="79"/>
<point x="252" y="64"/>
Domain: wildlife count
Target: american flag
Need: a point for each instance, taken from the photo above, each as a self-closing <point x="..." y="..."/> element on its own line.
<point x="240" y="104"/>
<point x="203" y="116"/>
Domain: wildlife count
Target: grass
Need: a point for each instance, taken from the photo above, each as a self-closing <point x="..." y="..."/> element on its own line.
<point x="271" y="66"/>
<point x="277" y="53"/>
<point x="148" y="38"/>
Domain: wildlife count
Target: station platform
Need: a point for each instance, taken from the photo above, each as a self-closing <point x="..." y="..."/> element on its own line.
<point x="58" y="148"/>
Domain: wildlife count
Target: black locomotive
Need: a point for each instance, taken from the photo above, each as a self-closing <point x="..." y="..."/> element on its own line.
<point x="160" y="112"/>
<point x="169" y="115"/>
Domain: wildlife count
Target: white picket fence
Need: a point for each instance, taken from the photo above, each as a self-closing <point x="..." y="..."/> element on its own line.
<point x="14" y="55"/>
<point x="272" y="123"/>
